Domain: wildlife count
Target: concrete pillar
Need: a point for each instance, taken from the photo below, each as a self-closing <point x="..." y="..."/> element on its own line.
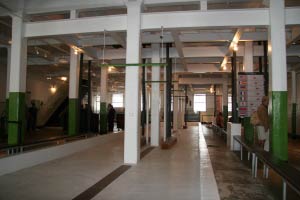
<point x="103" y="100"/>
<point x="73" y="94"/>
<point x="294" y="103"/>
<point x="225" y="100"/>
<point x="278" y="86"/>
<point x="248" y="67"/>
<point x="155" y="97"/>
<point x="175" y="103"/>
<point x="248" y="57"/>
<point x="132" y="84"/>
<point x="17" y="83"/>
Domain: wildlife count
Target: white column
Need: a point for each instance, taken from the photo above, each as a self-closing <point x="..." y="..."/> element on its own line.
<point x="74" y="75"/>
<point x="17" y="80"/>
<point x="103" y="88"/>
<point x="155" y="97"/>
<point x="294" y="87"/>
<point x="175" y="103"/>
<point x="132" y="84"/>
<point x="277" y="47"/>
<point x="248" y="56"/>
<point x="203" y="5"/>
<point x="8" y="71"/>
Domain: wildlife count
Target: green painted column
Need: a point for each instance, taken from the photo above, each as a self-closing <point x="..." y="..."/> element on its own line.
<point x="16" y="119"/>
<point x="225" y="116"/>
<point x="279" y="126"/>
<point x="103" y="118"/>
<point x="248" y="130"/>
<point x="294" y="119"/>
<point x="73" y="124"/>
<point x="278" y="80"/>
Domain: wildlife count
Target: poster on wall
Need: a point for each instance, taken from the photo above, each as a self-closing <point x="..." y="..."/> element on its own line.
<point x="250" y="92"/>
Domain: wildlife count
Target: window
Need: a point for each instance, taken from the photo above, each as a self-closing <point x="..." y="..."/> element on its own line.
<point x="229" y="104"/>
<point x="200" y="102"/>
<point x="96" y="104"/>
<point x="117" y="100"/>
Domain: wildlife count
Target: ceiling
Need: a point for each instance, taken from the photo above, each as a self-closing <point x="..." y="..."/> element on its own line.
<point x="195" y="51"/>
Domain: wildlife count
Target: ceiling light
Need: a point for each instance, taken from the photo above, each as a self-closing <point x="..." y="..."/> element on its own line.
<point x="235" y="47"/>
<point x="63" y="78"/>
<point x="75" y="51"/>
<point x="53" y="89"/>
<point x="48" y="78"/>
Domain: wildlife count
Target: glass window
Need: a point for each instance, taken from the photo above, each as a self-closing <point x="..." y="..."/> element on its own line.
<point x="96" y="104"/>
<point x="200" y="102"/>
<point x="117" y="100"/>
<point x="229" y="104"/>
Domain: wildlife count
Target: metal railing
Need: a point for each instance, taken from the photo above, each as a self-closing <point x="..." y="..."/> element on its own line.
<point x="17" y="149"/>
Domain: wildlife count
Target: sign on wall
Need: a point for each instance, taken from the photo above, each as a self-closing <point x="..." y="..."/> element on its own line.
<point x="250" y="92"/>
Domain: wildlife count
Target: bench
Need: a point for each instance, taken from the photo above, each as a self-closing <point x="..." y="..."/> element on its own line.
<point x="288" y="173"/>
<point x="251" y="150"/>
<point x="219" y="130"/>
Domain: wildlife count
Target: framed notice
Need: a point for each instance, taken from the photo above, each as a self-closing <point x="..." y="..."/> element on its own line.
<point x="250" y="92"/>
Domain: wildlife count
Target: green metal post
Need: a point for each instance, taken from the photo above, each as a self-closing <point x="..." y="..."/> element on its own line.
<point x="294" y="120"/>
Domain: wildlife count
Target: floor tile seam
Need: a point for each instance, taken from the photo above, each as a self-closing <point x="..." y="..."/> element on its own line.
<point x="95" y="189"/>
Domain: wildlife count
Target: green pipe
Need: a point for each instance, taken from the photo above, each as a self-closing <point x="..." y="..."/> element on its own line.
<point x="134" y="64"/>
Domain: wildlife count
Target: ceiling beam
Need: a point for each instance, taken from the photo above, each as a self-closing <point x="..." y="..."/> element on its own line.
<point x="235" y="40"/>
<point x="116" y="36"/>
<point x="295" y="36"/>
<point x="154" y="21"/>
<point x="179" y="48"/>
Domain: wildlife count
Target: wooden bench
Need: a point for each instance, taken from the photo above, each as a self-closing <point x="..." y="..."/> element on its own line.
<point x="288" y="173"/>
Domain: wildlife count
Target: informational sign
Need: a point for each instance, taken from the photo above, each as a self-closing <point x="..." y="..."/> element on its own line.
<point x="250" y="92"/>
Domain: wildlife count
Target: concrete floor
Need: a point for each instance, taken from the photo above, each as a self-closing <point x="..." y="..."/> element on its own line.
<point x="234" y="176"/>
<point x="192" y="169"/>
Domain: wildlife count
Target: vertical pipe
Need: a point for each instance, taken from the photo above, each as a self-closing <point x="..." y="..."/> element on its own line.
<point x="260" y="65"/>
<point x="169" y="88"/>
<point x="234" y="93"/>
<point x="266" y="74"/>
<point x="294" y="104"/>
<point x="80" y="92"/>
<point x="143" y="98"/>
<point x="185" y="106"/>
<point x="215" y="101"/>
<point x="89" y="98"/>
